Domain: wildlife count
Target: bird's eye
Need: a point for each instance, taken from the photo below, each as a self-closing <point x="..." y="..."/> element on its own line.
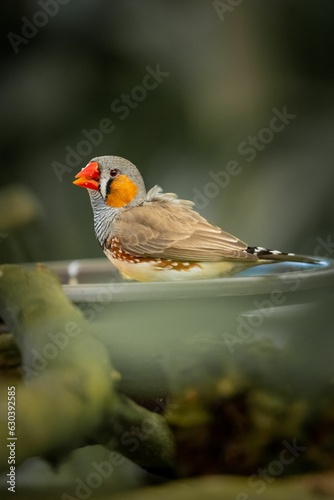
<point x="113" y="173"/>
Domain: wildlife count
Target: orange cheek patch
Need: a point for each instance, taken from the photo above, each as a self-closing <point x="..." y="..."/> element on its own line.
<point x="122" y="192"/>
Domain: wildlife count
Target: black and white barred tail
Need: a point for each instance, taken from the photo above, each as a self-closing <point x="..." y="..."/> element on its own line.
<point x="267" y="254"/>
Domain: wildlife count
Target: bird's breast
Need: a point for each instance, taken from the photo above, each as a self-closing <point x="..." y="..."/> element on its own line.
<point x="159" y="269"/>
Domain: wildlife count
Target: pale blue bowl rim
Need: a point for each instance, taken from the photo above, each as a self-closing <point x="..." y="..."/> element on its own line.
<point x="266" y="279"/>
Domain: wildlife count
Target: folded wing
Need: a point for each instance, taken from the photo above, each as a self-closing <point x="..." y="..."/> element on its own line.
<point x="170" y="229"/>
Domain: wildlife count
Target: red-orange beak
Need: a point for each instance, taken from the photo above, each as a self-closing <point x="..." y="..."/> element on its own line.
<point x="89" y="176"/>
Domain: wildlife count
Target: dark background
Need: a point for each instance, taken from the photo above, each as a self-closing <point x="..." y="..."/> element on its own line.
<point x="228" y="68"/>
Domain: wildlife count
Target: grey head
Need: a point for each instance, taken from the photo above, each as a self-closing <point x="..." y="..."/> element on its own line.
<point x="114" y="184"/>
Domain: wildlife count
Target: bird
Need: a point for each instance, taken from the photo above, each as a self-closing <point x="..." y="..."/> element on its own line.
<point x="155" y="236"/>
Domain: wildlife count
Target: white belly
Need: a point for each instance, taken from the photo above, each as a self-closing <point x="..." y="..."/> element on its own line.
<point x="152" y="271"/>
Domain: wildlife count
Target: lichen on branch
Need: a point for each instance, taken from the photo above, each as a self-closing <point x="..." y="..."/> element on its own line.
<point x="69" y="395"/>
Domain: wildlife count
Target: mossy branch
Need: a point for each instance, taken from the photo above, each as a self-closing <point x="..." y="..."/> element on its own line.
<point x="70" y="400"/>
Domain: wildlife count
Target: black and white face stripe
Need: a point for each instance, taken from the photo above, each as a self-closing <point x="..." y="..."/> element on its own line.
<point x="105" y="184"/>
<point x="108" y="186"/>
<point x="104" y="187"/>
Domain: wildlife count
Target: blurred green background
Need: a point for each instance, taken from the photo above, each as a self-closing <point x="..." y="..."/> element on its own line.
<point x="225" y="65"/>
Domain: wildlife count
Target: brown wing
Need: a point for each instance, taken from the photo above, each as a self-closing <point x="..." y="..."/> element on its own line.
<point x="173" y="231"/>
